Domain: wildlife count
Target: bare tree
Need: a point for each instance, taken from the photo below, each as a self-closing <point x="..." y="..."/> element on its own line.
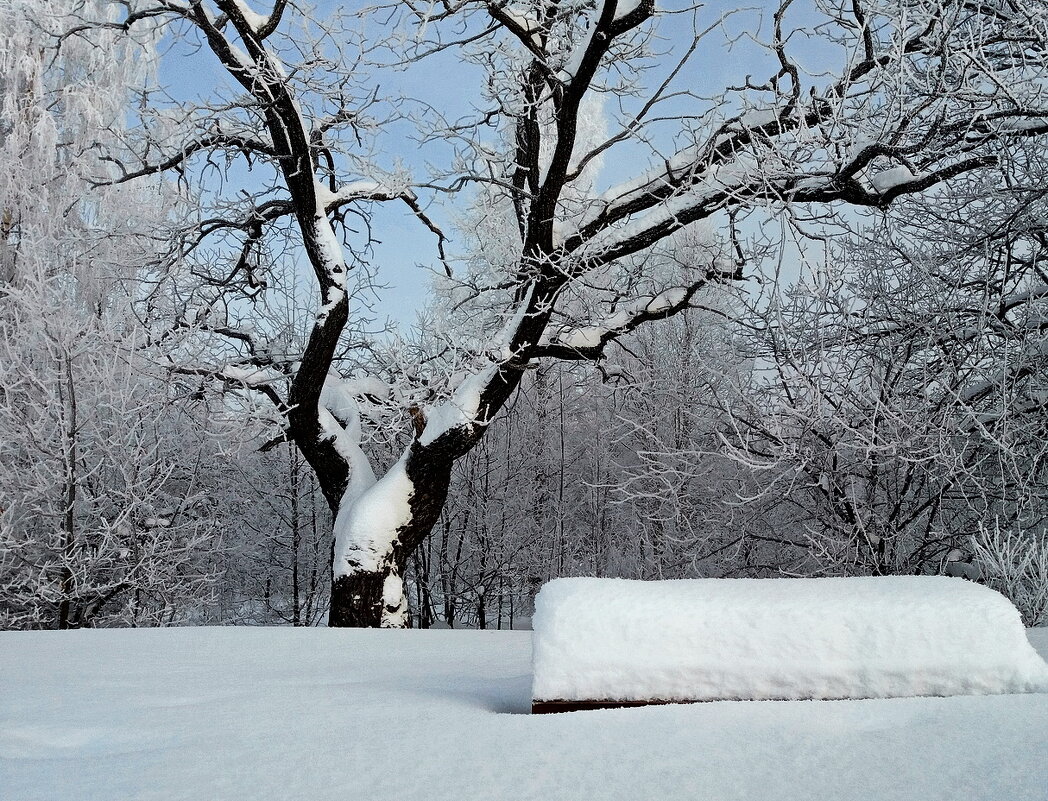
<point x="102" y="517"/>
<point x="903" y="406"/>
<point x="919" y="93"/>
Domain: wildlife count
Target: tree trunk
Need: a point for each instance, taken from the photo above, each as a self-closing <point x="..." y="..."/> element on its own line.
<point x="372" y="598"/>
<point x="296" y="535"/>
<point x="68" y="399"/>
<point x="356" y="600"/>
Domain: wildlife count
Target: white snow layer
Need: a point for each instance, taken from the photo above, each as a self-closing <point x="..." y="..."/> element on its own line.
<point x="460" y="409"/>
<point x="625" y="7"/>
<point x="245" y="714"/>
<point x="366" y="525"/>
<point x="394" y="603"/>
<point x="888" y="179"/>
<point x="339" y="395"/>
<point x="827" y="638"/>
<point x="254" y="20"/>
<point x="590" y="336"/>
<point x="251" y="376"/>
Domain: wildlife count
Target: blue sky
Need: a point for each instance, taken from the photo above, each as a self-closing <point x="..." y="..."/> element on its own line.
<point x="404" y="252"/>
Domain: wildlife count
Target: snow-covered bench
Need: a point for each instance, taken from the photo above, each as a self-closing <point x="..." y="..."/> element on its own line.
<point x="612" y="642"/>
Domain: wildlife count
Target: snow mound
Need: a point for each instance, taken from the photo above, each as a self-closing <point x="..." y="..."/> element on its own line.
<point x="827" y="638"/>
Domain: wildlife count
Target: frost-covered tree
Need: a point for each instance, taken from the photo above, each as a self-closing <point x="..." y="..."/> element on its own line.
<point x="277" y="555"/>
<point x="102" y="513"/>
<point x="905" y="96"/>
<point x="903" y="407"/>
<point x="104" y="519"/>
<point x="671" y="492"/>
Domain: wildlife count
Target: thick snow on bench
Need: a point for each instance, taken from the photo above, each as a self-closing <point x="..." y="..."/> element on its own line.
<point x="710" y="639"/>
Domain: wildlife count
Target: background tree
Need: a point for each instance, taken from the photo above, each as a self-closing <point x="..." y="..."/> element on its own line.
<point x="902" y="411"/>
<point x="102" y="513"/>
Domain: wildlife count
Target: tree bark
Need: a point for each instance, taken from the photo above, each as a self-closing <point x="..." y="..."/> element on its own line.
<point x="68" y="399"/>
<point x="358" y="599"/>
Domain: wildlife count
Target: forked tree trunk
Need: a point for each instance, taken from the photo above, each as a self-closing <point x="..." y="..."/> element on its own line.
<point x="375" y="598"/>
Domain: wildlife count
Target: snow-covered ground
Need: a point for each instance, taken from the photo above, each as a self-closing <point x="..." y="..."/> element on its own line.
<point x="312" y="714"/>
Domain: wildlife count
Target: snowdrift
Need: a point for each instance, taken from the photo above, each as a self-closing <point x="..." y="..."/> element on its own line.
<point x="603" y="642"/>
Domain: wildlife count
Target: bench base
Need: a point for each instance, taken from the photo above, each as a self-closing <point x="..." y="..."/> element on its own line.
<point x="546" y="707"/>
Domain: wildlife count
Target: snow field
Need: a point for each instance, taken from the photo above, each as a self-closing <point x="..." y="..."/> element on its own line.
<point x="738" y="639"/>
<point x="313" y="714"/>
